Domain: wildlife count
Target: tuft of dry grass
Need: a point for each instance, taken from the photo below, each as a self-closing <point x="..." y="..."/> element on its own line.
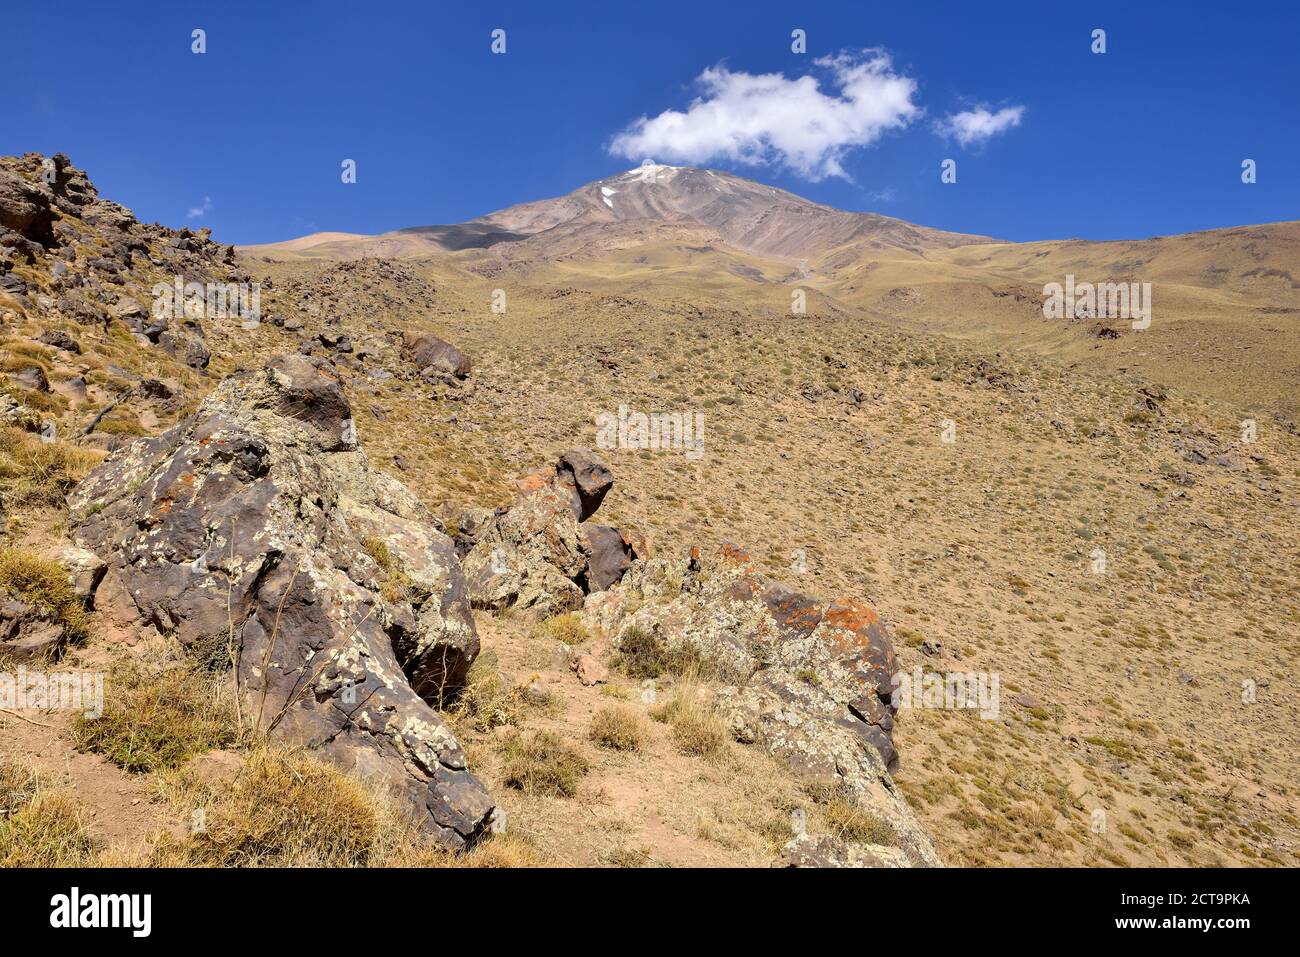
<point x="617" y="728"/>
<point x="19" y="783"/>
<point x="24" y="354"/>
<point x="567" y="628"/>
<point x="39" y="827"/>
<point x="697" y="728"/>
<point x="50" y="831"/>
<point x="153" y="721"/>
<point x="284" y="809"/>
<point x="288" y="808"/>
<point x="44" y="583"/>
<point x="853" y="824"/>
<point x="397" y="585"/>
<point x="36" y="473"/>
<point x="539" y="763"/>
<point x="487" y="700"/>
<point x="644" y="655"/>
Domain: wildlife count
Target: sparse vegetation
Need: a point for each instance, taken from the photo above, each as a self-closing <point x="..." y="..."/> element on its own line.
<point x="488" y="700"/>
<point x="397" y="585"/>
<point x="284" y="809"/>
<point x="696" y="727"/>
<point x="986" y="544"/>
<point x="47" y="831"/>
<point x="567" y="628"/>
<point x="36" y="473"/>
<point x="540" y="763"/>
<point x="40" y="827"/>
<point x="617" y="728"/>
<point x="643" y="655"/>
<point x="850" y="822"/>
<point x="156" y="720"/>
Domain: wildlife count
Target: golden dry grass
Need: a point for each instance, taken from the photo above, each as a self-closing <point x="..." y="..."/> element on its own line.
<point x="697" y="727"/>
<point x="44" y="583"/>
<point x="39" y="827"/>
<point x="540" y="763"/>
<point x="159" y="718"/>
<point x="617" y="728"/>
<point x="36" y="473"/>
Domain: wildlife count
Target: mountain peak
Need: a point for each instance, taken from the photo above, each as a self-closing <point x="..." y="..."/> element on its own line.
<point x="750" y="216"/>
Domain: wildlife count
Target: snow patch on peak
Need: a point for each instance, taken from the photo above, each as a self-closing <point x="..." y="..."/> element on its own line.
<point x="650" y="168"/>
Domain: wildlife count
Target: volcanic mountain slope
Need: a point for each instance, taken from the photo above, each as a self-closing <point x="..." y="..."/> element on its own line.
<point x="645" y="782"/>
<point x="1125" y="686"/>
<point x="1225" y="303"/>
<point x="748" y="216"/>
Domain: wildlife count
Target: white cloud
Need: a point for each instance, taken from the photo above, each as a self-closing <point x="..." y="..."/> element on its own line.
<point x="766" y="118"/>
<point x="197" y="211"/>
<point x="977" y="125"/>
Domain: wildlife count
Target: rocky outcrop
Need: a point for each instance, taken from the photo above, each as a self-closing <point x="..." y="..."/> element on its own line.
<point x="257" y="530"/>
<point x="808" y="680"/>
<point x="25" y="208"/>
<point x="541" y="556"/>
<point x="830" y="851"/>
<point x="586" y="479"/>
<point x="97" y="265"/>
<point x="610" y="553"/>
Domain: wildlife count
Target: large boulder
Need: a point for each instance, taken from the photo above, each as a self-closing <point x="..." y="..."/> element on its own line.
<point x="610" y="552"/>
<point x="808" y="680"/>
<point x="30" y="204"/>
<point x="541" y="557"/>
<point x="587" y="478"/>
<point x="426" y="351"/>
<point x="258" y="527"/>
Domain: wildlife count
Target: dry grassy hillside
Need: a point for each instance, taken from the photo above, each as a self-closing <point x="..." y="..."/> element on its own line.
<point x="1225" y="303"/>
<point x="1225" y="306"/>
<point x="1122" y="691"/>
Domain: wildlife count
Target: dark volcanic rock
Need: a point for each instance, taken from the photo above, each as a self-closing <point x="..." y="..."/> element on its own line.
<point x="259" y="518"/>
<point x="60" y="340"/>
<point x="589" y="479"/>
<point x="27" y="631"/>
<point x="538" y="556"/>
<point x="610" y="553"/>
<point x="32" y="377"/>
<point x="426" y="351"/>
<point x="25" y="208"/>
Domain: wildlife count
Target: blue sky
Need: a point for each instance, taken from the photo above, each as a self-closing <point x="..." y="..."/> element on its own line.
<point x="1145" y="139"/>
